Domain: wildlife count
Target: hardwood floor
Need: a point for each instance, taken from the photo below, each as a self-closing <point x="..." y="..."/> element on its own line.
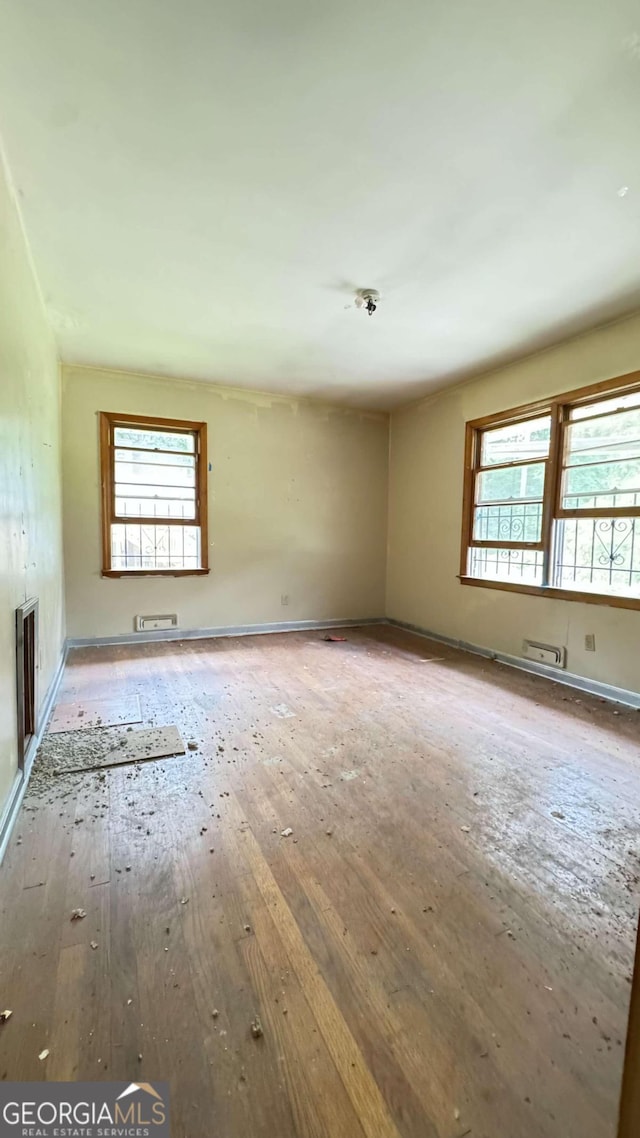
<point x="442" y="947"/>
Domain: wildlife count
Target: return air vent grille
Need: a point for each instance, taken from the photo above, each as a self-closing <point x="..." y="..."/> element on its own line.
<point x="543" y="653"/>
<point x="155" y="623"/>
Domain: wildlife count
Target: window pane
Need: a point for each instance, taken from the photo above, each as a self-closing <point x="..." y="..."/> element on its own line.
<point x="129" y="504"/>
<point x="631" y="399"/>
<point x="606" y="484"/>
<point x="154" y="440"/>
<point x="518" y="565"/>
<point x="148" y="474"/>
<point x="516" y="442"/>
<point x="162" y="457"/>
<point x="599" y="554"/>
<point x="135" y="546"/>
<point x="522" y="522"/>
<point x="604" y="439"/>
<point x="511" y="483"/>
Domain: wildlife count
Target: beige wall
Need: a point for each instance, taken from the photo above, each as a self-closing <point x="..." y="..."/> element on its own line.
<point x="425" y="497"/>
<point x="297" y="506"/>
<point x="30" y="489"/>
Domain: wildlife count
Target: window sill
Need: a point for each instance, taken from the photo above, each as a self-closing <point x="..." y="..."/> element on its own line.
<point x="154" y="572"/>
<point x="609" y="599"/>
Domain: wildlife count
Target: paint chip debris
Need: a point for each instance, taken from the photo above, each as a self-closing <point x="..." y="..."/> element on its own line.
<point x="43" y="1054"/>
<point x="286" y="833"/>
<point x="94" y="944"/>
<point x="184" y="900"/>
<point x="78" y="914"/>
<point x="466" y="829"/>
<point x="5" y="1015"/>
<point x="282" y="711"/>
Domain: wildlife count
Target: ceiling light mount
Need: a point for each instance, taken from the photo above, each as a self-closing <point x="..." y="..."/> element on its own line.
<point x="367" y="298"/>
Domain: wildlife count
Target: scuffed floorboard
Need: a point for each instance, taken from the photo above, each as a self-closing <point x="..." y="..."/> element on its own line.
<point x="442" y="946"/>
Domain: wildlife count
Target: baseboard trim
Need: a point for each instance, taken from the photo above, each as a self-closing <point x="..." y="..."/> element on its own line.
<point x="12" y="807"/>
<point x="214" y="633"/>
<point x="569" y="679"/>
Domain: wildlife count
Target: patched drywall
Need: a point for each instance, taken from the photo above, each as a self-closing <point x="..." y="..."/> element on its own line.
<point x="425" y="505"/>
<point x="30" y="483"/>
<point x="297" y="507"/>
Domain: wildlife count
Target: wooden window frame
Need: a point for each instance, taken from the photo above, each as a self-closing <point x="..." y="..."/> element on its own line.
<point x="108" y="422"/>
<point x="558" y="408"/>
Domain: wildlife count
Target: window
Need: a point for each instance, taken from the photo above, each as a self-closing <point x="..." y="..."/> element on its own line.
<point x="154" y="496"/>
<point x="552" y="497"/>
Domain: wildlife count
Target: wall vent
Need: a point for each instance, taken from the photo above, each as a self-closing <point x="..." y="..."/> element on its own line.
<point x="543" y="653"/>
<point x="154" y="623"/>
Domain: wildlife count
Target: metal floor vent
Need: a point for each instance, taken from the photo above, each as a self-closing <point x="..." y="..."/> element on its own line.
<point x="543" y="653"/>
<point x="154" y="623"/>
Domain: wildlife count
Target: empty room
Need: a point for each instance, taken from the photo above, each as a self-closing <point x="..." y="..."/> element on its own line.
<point x="320" y="569"/>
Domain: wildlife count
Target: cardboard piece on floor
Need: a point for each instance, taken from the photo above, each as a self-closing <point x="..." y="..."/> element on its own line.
<point x="86" y="713"/>
<point x="139" y="747"/>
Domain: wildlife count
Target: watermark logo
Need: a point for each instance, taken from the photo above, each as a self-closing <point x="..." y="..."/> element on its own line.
<point x="84" y="1110"/>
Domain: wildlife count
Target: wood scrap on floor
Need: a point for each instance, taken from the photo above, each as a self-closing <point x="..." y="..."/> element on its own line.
<point x="83" y="714"/>
<point x="137" y="747"/>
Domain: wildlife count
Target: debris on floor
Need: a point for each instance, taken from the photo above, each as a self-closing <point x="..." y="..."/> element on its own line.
<point x="334" y="639"/>
<point x="94" y="944"/>
<point x="78" y="914"/>
<point x="96" y="751"/>
<point x="192" y="745"/>
<point x="137" y="747"/>
<point x="286" y="833"/>
<point x="282" y="711"/>
<point x="5" y="1015"/>
<point x="256" y="1028"/>
<point x="95" y="713"/>
<point x="43" y="1054"/>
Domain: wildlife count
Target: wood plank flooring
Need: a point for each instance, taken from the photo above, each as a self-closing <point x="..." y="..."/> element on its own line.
<point x="442" y="947"/>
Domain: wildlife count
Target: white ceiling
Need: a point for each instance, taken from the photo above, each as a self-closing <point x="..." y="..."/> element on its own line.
<point x="204" y="183"/>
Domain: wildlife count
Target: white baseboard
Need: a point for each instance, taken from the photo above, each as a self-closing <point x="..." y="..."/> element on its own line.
<point x="569" y="679"/>
<point x="12" y="806"/>
<point x="212" y="633"/>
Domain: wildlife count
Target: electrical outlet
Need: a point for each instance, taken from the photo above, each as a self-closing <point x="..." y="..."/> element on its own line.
<point x="284" y="599"/>
<point x="590" y="642"/>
